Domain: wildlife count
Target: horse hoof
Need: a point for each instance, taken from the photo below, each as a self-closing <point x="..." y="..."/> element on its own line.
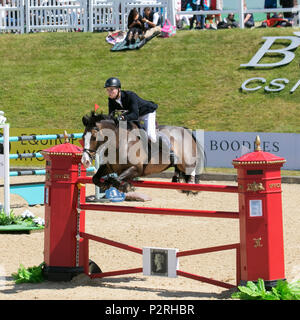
<point x="126" y="187"/>
<point x="96" y="181"/>
<point x="191" y="180"/>
<point x="175" y="179"/>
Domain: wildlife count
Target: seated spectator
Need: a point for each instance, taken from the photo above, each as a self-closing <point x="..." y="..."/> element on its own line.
<point x="216" y="5"/>
<point x="152" y="22"/>
<point x="200" y="19"/>
<point x="270" y="4"/>
<point x="136" y="27"/>
<point x="183" y="19"/>
<point x="248" y="18"/>
<point x="276" y="20"/>
<point x="228" y="23"/>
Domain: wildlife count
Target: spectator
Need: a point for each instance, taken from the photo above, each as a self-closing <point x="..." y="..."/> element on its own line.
<point x="200" y="19"/>
<point x="182" y="20"/>
<point x="228" y="22"/>
<point x="216" y="5"/>
<point x="136" y="27"/>
<point x="270" y="4"/>
<point x="248" y="18"/>
<point x="178" y="7"/>
<point x="288" y="4"/>
<point x="152" y="22"/>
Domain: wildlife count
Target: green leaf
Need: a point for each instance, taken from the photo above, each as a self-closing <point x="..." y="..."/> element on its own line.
<point x="249" y="291"/>
<point x="251" y="285"/>
<point x="31" y="274"/>
<point x="261" y="286"/>
<point x="282" y="291"/>
<point x="276" y="294"/>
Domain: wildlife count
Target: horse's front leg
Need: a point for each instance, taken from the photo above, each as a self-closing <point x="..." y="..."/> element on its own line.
<point x="102" y="171"/>
<point x="121" y="183"/>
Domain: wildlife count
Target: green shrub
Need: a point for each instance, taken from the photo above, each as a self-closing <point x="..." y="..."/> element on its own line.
<point x="282" y="291"/>
<point x="29" y="275"/>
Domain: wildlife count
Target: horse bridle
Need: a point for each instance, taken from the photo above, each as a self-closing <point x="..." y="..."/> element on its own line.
<point x="88" y="151"/>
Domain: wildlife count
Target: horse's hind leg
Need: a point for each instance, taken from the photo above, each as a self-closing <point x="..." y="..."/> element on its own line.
<point x="176" y="175"/>
<point x="121" y="182"/>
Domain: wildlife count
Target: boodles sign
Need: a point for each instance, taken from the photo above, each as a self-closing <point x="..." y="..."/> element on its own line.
<point x="275" y="85"/>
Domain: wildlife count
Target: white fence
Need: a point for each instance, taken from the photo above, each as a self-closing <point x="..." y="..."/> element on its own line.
<point x="80" y="15"/>
<point x="56" y="15"/>
<point x="90" y="15"/>
<point x="12" y="15"/>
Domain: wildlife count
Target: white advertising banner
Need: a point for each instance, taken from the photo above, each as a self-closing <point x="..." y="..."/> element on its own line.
<point x="222" y="147"/>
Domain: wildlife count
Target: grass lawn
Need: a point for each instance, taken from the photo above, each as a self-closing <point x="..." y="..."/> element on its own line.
<point x="50" y="80"/>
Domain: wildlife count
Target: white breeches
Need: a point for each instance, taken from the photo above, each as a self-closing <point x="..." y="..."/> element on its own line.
<point x="150" y="125"/>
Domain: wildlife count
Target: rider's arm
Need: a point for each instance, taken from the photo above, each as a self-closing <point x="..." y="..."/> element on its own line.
<point x="111" y="107"/>
<point x="132" y="107"/>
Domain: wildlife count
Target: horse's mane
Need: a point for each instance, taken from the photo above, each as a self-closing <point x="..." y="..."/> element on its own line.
<point x="90" y="120"/>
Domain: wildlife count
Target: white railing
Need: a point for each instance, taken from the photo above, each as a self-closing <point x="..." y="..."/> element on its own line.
<point x="104" y="14"/>
<point x="55" y="15"/>
<point x="90" y="15"/>
<point x="12" y="15"/>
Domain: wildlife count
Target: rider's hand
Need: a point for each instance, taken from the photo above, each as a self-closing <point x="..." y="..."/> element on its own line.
<point x="121" y="118"/>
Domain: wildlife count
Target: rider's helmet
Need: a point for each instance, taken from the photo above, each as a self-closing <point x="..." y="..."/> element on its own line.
<point x="112" y="82"/>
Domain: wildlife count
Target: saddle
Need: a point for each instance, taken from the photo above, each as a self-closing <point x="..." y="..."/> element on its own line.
<point x="163" y="142"/>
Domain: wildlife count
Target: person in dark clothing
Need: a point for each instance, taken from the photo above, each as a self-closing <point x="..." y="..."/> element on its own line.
<point x="200" y="19"/>
<point x="136" y="26"/>
<point x="248" y="18"/>
<point x="228" y="22"/>
<point x="152" y="22"/>
<point x="270" y="4"/>
<point x="135" y="109"/>
<point x="288" y="4"/>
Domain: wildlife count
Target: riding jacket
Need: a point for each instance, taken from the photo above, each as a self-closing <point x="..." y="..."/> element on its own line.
<point x="134" y="105"/>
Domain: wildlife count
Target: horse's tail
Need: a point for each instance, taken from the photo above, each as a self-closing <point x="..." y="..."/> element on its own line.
<point x="201" y="156"/>
<point x="201" y="159"/>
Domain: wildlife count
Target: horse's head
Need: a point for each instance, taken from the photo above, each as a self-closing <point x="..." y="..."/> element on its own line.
<point x="93" y="135"/>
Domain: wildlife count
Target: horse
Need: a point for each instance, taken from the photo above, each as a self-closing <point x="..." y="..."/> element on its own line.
<point x="124" y="150"/>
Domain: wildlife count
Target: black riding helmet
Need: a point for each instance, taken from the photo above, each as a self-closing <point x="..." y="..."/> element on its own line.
<point x="112" y="82"/>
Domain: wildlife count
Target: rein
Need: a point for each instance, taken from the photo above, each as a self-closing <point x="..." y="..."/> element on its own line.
<point x="89" y="151"/>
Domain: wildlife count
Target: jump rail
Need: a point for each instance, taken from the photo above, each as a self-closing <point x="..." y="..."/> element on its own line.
<point x="43" y="137"/>
<point x="174" y="185"/>
<point x="162" y="211"/>
<point x="258" y="255"/>
<point x="6" y="140"/>
<point x="166" y="211"/>
<point x="236" y="246"/>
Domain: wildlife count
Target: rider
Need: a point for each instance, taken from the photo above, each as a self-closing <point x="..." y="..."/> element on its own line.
<point x="135" y="109"/>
